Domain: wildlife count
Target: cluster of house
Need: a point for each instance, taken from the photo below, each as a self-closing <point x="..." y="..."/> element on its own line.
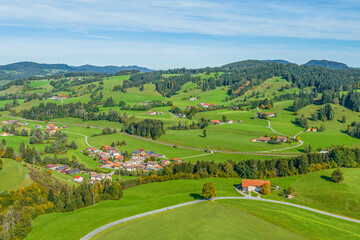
<point x="218" y="122"/>
<point x="206" y="105"/>
<point x="15" y="122"/>
<point x="139" y="160"/>
<point x="312" y="129"/>
<point x="267" y="139"/>
<point x="67" y="170"/>
<point x="58" y="97"/>
<point x="268" y="114"/>
<point x="154" y="113"/>
<point x="51" y="128"/>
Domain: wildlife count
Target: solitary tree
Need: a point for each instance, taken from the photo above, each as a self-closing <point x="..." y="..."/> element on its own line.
<point x="265" y="189"/>
<point x="208" y="190"/>
<point x="204" y="133"/>
<point x="343" y="119"/>
<point x="337" y="175"/>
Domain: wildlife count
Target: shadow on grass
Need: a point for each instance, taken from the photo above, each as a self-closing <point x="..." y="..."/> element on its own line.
<point x="202" y="136"/>
<point x="326" y="178"/>
<point x="196" y="196"/>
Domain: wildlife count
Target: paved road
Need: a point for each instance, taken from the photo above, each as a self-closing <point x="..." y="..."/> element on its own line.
<point x="167" y="144"/>
<point x="247" y="197"/>
<point x="86" y="137"/>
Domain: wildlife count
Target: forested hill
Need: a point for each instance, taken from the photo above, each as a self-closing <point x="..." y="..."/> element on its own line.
<point x="277" y="61"/>
<point x="30" y="69"/>
<point x="327" y="64"/>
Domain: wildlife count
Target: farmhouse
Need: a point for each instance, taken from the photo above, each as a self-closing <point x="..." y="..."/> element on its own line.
<point x="180" y="115"/>
<point x="215" y="122"/>
<point x="4" y="134"/>
<point x="151" y="113"/>
<point x="281" y="139"/>
<point x="51" y="166"/>
<point x="192" y="98"/>
<point x="38" y="126"/>
<point x="253" y="140"/>
<point x="264" y="139"/>
<point x="252" y="185"/>
<point x="206" y="105"/>
<point x="73" y="171"/>
<point x="229" y="121"/>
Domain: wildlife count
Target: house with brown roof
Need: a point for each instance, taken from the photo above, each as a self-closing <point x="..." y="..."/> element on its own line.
<point x="264" y="139"/>
<point x="281" y="139"/>
<point x="252" y="185"/>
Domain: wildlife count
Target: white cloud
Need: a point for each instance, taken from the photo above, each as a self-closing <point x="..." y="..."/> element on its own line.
<point x="224" y="18"/>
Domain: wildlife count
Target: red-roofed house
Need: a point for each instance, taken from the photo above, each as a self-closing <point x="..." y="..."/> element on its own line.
<point x="206" y="105"/>
<point x="151" y="113"/>
<point x="252" y="185"/>
<point x="78" y="179"/>
<point x="215" y="122"/>
<point x="264" y="139"/>
<point x="281" y="139"/>
<point x="229" y="121"/>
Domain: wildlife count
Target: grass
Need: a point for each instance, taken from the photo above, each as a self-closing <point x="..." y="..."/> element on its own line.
<point x="143" y="198"/>
<point x="235" y="219"/>
<point x="318" y="191"/>
<point x="13" y="176"/>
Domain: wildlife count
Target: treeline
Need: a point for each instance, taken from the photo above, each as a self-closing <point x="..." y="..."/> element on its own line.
<point x="45" y="195"/>
<point x="84" y="111"/>
<point x="201" y="124"/>
<point x="337" y="156"/>
<point x="150" y="128"/>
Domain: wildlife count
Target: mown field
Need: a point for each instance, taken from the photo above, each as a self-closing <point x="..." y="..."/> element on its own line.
<point x="234" y="219"/>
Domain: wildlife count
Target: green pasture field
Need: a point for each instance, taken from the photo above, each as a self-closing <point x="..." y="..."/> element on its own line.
<point x="39" y="83"/>
<point x="318" y="191"/>
<point x="270" y="88"/>
<point x="335" y="133"/>
<point x="234" y="219"/>
<point x="143" y="198"/>
<point x="13" y="176"/>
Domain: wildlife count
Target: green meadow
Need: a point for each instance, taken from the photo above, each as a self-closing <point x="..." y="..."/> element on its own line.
<point x="234" y="219"/>
<point x="13" y="176"/>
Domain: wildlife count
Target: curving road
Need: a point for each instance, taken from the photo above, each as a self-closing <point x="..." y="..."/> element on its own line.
<point x="246" y="197"/>
<point x="168" y="144"/>
<point x="86" y="137"/>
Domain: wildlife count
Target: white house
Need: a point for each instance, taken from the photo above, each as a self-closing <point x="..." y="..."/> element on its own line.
<point x="192" y="98"/>
<point x="78" y="179"/>
<point x="229" y="121"/>
<point x="151" y="113"/>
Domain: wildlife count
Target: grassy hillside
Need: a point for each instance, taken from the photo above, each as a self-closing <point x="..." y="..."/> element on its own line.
<point x="234" y="219"/>
<point x="74" y="225"/>
<point x="13" y="176"/>
<point x="318" y="191"/>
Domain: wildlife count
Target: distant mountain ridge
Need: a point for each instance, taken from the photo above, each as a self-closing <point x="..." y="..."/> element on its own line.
<point x="327" y="64"/>
<point x="277" y="61"/>
<point x="30" y="69"/>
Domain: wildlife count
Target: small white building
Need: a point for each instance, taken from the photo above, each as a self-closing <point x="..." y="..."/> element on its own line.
<point x="78" y="179"/>
<point x="151" y="113"/>
<point x="192" y="98"/>
<point x="229" y="121"/>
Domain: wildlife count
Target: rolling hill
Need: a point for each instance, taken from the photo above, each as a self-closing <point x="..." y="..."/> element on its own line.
<point x="30" y="69"/>
<point x="327" y="64"/>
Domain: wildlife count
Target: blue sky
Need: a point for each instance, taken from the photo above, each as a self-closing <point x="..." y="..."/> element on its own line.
<point x="178" y="33"/>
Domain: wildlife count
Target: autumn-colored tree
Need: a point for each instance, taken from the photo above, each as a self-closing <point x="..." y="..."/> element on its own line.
<point x="208" y="191"/>
<point x="265" y="189"/>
